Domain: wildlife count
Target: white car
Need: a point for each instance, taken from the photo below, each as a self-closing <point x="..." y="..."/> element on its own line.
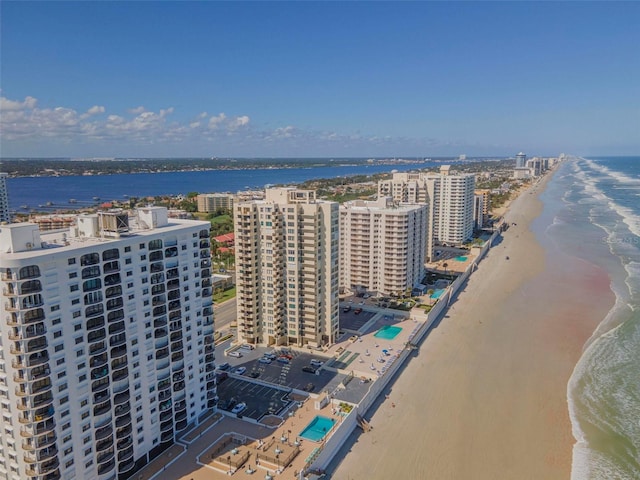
<point x="239" y="408"/>
<point x="315" y="362"/>
<point x="240" y="370"/>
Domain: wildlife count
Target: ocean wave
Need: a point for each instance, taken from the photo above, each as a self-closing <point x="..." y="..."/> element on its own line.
<point x="618" y="176"/>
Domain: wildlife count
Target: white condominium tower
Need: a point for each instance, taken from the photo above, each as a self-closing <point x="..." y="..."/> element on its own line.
<point x="287" y="269"/>
<point x="450" y="200"/>
<point x="107" y="343"/>
<point x="4" y="199"/>
<point x="382" y="245"/>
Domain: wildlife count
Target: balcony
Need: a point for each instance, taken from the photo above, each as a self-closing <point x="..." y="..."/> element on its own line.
<point x="121" y="398"/>
<point x="100" y="385"/>
<point x="40" y="386"/>
<point x="105" y="456"/>
<point x="97" y="348"/>
<point x="125" y="454"/>
<point x="23" y="333"/>
<point x="116" y="328"/>
<point x="40" y="455"/>
<point x="123" y="421"/>
<point x="43" y="468"/>
<point x="103" y="432"/>
<point x="126" y="465"/>
<point x="38" y="429"/>
<point x="162" y="353"/>
<point x="36" y="443"/>
<point x="120" y="374"/>
<point x="106" y="467"/>
<point x="118" y="351"/>
<point x="123" y="432"/>
<point x="102" y="408"/>
<point x="124" y="443"/>
<point x="167" y="425"/>
<point x="104" y="444"/>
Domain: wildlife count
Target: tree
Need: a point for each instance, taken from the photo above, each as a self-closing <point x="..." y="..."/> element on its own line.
<point x="445" y="265"/>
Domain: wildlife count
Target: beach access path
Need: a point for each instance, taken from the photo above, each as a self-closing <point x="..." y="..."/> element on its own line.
<point x="485" y="397"/>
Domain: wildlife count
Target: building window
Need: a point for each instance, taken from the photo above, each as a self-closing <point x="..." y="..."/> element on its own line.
<point x="71" y="261"/>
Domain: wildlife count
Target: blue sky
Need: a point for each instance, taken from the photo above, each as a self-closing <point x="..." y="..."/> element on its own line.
<point x="148" y="79"/>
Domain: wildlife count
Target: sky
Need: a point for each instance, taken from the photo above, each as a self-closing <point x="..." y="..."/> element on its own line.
<point x="318" y="79"/>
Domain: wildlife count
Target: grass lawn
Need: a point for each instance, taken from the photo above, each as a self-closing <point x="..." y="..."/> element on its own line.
<point x="227" y="294"/>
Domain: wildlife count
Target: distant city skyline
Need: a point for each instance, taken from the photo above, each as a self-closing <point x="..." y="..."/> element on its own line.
<point x="311" y="79"/>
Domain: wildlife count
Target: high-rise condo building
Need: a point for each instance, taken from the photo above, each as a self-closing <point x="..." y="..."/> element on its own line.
<point x="210" y="202"/>
<point x="382" y="245"/>
<point x="107" y="343"/>
<point x="521" y="160"/>
<point x="287" y="269"/>
<point x="4" y="199"/>
<point x="449" y="197"/>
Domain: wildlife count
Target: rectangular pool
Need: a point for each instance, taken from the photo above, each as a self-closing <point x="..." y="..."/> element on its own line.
<point x="388" y="332"/>
<point x="318" y="428"/>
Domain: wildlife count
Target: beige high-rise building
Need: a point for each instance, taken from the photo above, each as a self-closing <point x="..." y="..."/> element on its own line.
<point x="287" y="269"/>
<point x="382" y="246"/>
<point x="210" y="202"/>
<point x="450" y="200"/>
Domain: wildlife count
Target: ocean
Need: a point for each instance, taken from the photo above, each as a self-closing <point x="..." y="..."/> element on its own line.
<point x="54" y="193"/>
<point x="595" y="204"/>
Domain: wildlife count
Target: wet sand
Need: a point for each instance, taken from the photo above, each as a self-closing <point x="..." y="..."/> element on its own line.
<point x="485" y="398"/>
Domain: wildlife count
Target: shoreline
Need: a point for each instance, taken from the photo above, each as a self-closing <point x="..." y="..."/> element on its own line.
<point x="493" y="372"/>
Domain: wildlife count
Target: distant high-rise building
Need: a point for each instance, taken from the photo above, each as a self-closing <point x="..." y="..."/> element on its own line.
<point x="450" y="201"/>
<point x="4" y="199"/>
<point x="382" y="245"/>
<point x="521" y="160"/>
<point x="478" y="211"/>
<point x="287" y="269"/>
<point x="210" y="202"/>
<point x="107" y="343"/>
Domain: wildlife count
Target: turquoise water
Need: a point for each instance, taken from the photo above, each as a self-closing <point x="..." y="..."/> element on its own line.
<point x="317" y="429"/>
<point x="595" y="209"/>
<point x="460" y="259"/>
<point x="435" y="295"/>
<point x="388" y="332"/>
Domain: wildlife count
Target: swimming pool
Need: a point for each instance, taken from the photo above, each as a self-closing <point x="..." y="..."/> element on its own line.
<point x="435" y="295"/>
<point x="388" y="332"/>
<point x="461" y="258"/>
<point x="317" y="429"/>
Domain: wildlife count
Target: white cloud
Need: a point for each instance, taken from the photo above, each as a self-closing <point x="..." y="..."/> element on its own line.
<point x="239" y="122"/>
<point x="96" y="109"/>
<point x="7" y="105"/>
<point x="217" y="121"/>
<point x="62" y="131"/>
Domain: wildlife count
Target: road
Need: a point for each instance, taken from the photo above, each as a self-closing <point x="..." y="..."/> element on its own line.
<point x="224" y="314"/>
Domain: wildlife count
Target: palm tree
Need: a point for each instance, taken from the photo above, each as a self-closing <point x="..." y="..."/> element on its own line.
<point x="445" y="265"/>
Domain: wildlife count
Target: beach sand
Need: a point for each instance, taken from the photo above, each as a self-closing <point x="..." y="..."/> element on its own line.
<point x="485" y="397"/>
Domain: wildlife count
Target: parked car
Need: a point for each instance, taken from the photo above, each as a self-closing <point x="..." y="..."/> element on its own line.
<point x="265" y="360"/>
<point x="240" y="370"/>
<point x="254" y="374"/>
<point x="270" y="356"/>
<point x="247" y="346"/>
<point x="239" y="408"/>
<point x="235" y="354"/>
<point x="284" y="360"/>
<point x="224" y="366"/>
<point x="309" y="387"/>
<point x="346" y="309"/>
<point x="357" y="311"/>
<point x="316" y="363"/>
<point x="309" y="369"/>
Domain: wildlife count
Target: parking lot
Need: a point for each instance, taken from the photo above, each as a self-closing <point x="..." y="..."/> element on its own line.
<point x="353" y="322"/>
<point x="260" y="399"/>
<point x="286" y="371"/>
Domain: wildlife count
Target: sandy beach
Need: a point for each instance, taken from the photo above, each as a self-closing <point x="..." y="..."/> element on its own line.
<point x="485" y="397"/>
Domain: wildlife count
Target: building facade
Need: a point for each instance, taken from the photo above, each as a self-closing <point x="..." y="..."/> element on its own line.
<point x="287" y="269"/>
<point x="521" y="160"/>
<point x="4" y="199"/>
<point x="382" y="246"/>
<point x="449" y="198"/>
<point x="211" y="202"/>
<point x="107" y="341"/>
